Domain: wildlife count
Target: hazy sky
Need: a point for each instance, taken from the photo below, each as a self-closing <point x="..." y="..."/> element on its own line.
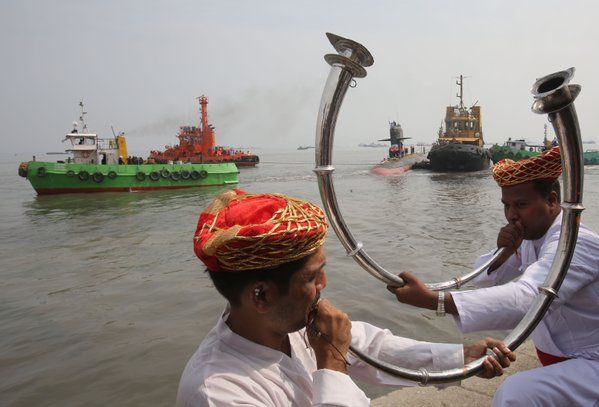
<point x="139" y="66"/>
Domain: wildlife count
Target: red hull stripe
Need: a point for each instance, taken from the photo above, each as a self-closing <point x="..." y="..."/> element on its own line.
<point x="52" y="191"/>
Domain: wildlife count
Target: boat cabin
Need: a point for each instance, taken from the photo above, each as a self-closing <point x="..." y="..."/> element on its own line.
<point x="522" y="145"/>
<point x="88" y="148"/>
<point x="462" y="125"/>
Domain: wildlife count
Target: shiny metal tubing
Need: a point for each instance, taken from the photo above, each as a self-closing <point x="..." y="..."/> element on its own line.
<point x="553" y="96"/>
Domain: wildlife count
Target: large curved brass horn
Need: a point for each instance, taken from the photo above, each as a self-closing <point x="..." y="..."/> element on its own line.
<point x="553" y="96"/>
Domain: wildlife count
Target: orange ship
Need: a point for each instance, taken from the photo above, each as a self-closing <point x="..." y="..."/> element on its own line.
<point x="197" y="145"/>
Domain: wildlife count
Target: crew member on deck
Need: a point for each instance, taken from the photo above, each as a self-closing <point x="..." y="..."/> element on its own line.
<point x="567" y="339"/>
<point x="278" y="343"/>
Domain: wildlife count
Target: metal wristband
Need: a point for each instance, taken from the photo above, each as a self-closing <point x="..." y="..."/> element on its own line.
<point x="441" y="304"/>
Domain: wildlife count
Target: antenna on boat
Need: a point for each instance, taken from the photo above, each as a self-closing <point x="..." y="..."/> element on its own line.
<point x="82" y="117"/>
<point x="460" y="94"/>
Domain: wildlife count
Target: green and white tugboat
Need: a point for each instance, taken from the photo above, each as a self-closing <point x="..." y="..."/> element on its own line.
<point x="100" y="165"/>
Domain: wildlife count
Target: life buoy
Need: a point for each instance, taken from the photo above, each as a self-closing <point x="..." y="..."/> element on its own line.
<point x="195" y="174"/>
<point x="203" y="174"/>
<point x="185" y="174"/>
<point x="175" y="176"/>
<point x="154" y="175"/>
<point x="83" y="175"/>
<point x="164" y="173"/>
<point x="112" y="174"/>
<point x="41" y="172"/>
<point x="97" y="177"/>
<point x="70" y="173"/>
<point x="140" y="176"/>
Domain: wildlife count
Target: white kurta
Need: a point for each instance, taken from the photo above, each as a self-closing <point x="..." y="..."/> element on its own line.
<point x="571" y="326"/>
<point x="229" y="370"/>
<point x="569" y="329"/>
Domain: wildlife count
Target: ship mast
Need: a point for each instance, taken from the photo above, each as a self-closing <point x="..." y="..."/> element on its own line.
<point x="82" y="117"/>
<point x="460" y="95"/>
<point x="207" y="131"/>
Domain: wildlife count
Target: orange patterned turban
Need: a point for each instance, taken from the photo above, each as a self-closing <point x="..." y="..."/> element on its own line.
<point x="547" y="166"/>
<point x="241" y="231"/>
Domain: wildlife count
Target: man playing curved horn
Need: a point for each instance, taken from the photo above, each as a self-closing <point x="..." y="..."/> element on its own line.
<point x="278" y="343"/>
<point x="567" y="339"/>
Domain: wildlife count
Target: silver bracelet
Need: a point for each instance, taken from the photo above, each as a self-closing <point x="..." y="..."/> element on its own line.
<point x="441" y="304"/>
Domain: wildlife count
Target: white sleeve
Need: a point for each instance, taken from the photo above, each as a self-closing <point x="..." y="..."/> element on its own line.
<point x="404" y="352"/>
<point x="492" y="308"/>
<point x="584" y="268"/>
<point x="503" y="307"/>
<point x="508" y="271"/>
<point x="331" y="388"/>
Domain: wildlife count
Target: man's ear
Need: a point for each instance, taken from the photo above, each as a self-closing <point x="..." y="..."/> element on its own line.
<point x="262" y="295"/>
<point x="554" y="202"/>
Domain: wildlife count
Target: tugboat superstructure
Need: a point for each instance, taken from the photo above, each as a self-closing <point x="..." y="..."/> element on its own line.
<point x="197" y="144"/>
<point x="460" y="145"/>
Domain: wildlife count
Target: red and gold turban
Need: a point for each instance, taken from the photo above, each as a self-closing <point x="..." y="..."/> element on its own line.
<point x="547" y="166"/>
<point x="241" y="231"/>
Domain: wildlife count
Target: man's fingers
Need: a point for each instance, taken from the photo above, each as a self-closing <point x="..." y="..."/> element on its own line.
<point x="406" y="276"/>
<point x="486" y="369"/>
<point x="519" y="226"/>
<point x="506" y="352"/>
<point x="498" y="370"/>
<point x="503" y="359"/>
<point x="499" y="348"/>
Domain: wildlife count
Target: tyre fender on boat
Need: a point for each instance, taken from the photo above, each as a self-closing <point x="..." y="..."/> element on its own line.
<point x="140" y="175"/>
<point x="154" y="175"/>
<point x="176" y="175"/>
<point x="83" y="175"/>
<point x="112" y="174"/>
<point x="23" y="169"/>
<point x="70" y="173"/>
<point x="164" y="173"/>
<point x="41" y="172"/>
<point x="203" y="174"/>
<point x="195" y="174"/>
<point x="98" y="177"/>
<point x="185" y="174"/>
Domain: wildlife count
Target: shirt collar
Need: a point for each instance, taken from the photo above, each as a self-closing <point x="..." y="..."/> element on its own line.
<point x="243" y="345"/>
<point x="556" y="224"/>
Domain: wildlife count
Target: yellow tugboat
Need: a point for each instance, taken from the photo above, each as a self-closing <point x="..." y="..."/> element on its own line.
<point x="460" y="146"/>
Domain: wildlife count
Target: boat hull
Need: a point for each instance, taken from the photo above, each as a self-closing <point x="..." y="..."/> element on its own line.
<point x="60" y="178"/>
<point x="456" y="157"/>
<point x="591" y="157"/>
<point x="499" y="153"/>
<point x="397" y="166"/>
